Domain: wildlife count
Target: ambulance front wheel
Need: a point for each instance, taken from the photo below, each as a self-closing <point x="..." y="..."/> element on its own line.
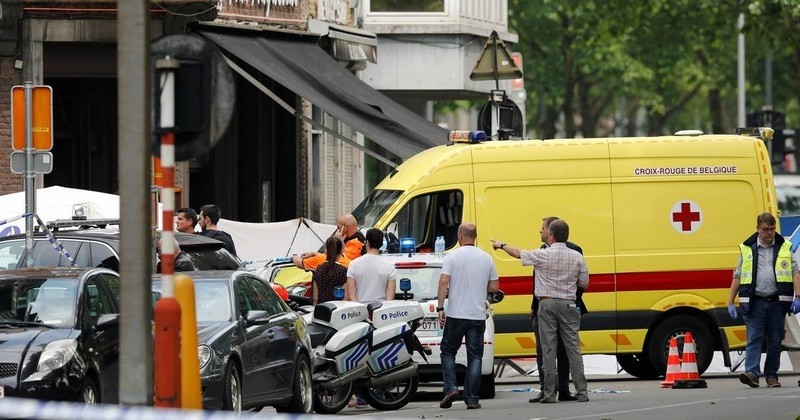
<point x="677" y="326"/>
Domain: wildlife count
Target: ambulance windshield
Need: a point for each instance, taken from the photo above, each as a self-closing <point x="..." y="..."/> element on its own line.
<point x="374" y="206"/>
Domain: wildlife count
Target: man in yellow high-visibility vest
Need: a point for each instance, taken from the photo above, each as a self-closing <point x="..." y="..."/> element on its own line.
<point x="767" y="280"/>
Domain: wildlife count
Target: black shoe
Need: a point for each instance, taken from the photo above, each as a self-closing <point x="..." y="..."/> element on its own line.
<point x="566" y="396"/>
<point x="447" y="401"/>
<point x="537" y="398"/>
<point x="474" y="406"/>
<point x="546" y="401"/>
<point x="749" y="378"/>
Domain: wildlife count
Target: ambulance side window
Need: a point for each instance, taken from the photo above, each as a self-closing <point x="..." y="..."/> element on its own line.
<point x="427" y="216"/>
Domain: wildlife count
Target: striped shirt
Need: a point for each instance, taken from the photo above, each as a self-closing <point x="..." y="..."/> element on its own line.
<point x="558" y="271"/>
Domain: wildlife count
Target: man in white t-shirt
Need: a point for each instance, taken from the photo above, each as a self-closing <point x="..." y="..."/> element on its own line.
<point x="370" y="278"/>
<point x="469" y="273"/>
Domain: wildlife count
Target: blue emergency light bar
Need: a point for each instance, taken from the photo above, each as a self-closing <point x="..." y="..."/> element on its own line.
<point x="465" y="136"/>
<point x="407" y="245"/>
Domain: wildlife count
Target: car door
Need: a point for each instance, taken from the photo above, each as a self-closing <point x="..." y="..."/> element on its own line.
<point x="101" y="343"/>
<point x="255" y="345"/>
<point x="282" y="334"/>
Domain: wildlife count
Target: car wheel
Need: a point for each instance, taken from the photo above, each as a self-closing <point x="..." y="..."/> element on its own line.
<point x="232" y="389"/>
<point x="677" y="326"/>
<point x="301" y="389"/>
<point x="90" y="394"/>
<point x="637" y="365"/>
<point x="487" y="387"/>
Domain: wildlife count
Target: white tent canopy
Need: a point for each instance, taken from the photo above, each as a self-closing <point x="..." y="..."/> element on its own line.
<point x="263" y="241"/>
<point x="54" y="203"/>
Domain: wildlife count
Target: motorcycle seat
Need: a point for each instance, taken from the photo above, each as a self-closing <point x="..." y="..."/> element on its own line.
<point x="319" y="334"/>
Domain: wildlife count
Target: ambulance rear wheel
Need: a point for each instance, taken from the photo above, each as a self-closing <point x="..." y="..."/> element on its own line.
<point x="637" y="365"/>
<point x="677" y="326"/>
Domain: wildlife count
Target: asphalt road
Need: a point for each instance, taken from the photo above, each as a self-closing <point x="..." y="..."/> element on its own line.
<point x="617" y="399"/>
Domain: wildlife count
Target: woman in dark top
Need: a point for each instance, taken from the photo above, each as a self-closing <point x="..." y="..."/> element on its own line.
<point x="329" y="274"/>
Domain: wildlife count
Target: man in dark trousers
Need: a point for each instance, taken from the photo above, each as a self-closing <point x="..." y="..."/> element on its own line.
<point x="561" y="355"/>
<point x="208" y="218"/>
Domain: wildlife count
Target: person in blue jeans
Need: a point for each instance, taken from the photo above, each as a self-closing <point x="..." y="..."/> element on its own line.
<point x="767" y="281"/>
<point x="468" y="274"/>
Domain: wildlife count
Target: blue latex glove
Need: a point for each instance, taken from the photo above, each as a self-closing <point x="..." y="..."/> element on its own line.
<point x="732" y="311"/>
<point x="796" y="305"/>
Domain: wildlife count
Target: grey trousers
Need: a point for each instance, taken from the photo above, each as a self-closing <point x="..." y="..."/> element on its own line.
<point x="560" y="317"/>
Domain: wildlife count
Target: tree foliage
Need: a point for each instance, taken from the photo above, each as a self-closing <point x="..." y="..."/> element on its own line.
<point x="616" y="67"/>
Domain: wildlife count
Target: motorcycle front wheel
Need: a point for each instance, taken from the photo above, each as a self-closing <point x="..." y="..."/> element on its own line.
<point x="393" y="396"/>
<point x="332" y="401"/>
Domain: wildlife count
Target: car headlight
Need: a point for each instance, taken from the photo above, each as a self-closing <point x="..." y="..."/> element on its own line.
<point x="204" y="355"/>
<point x="57" y="354"/>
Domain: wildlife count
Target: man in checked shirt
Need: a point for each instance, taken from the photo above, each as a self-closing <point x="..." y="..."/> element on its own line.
<point x="559" y="272"/>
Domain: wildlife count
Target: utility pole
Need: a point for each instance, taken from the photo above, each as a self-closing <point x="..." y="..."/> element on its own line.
<point x="133" y="87"/>
<point x="740" y="103"/>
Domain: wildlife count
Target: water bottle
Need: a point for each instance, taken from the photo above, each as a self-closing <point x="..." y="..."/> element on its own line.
<point x="439" y="246"/>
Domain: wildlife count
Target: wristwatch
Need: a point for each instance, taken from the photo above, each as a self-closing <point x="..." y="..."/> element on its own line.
<point x="502" y="244"/>
<point x="440" y="309"/>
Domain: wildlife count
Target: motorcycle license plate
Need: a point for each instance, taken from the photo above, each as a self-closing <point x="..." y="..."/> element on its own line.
<point x="430" y="325"/>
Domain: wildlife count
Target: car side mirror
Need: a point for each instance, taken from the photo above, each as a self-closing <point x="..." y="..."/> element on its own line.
<point x="495" y="297"/>
<point x="106" y="322"/>
<point x="255" y="317"/>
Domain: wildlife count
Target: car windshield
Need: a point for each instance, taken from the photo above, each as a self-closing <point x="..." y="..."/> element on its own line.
<point x="45" y="301"/>
<point x="374" y="206"/>
<point x="207" y="258"/>
<point x="424" y="281"/>
<point x="212" y="300"/>
<point x="10" y="254"/>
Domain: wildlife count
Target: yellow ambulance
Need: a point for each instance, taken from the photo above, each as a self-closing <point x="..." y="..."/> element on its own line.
<point x="659" y="220"/>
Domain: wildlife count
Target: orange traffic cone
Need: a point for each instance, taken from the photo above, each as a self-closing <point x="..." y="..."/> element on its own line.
<point x="689" y="377"/>
<point x="673" y="364"/>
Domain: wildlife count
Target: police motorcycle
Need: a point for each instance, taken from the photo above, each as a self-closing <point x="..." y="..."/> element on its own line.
<point x="364" y="349"/>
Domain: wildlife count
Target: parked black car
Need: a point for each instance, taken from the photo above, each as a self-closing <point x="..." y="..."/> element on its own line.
<point x="59" y="334"/>
<point x="254" y="351"/>
<point x="94" y="244"/>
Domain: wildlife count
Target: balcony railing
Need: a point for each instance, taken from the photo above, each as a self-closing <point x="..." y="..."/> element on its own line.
<point x="491" y="14"/>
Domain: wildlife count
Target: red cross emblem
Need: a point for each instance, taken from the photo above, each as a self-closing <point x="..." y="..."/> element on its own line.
<point x="686" y="216"/>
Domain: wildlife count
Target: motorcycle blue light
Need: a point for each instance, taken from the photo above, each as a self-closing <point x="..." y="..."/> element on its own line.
<point x="407" y="245"/>
<point x="338" y="293"/>
<point x="405" y="284"/>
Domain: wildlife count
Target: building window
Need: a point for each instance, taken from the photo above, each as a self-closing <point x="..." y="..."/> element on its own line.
<point x="405" y="6"/>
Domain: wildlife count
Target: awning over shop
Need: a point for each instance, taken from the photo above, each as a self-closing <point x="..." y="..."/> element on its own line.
<point x="301" y="66"/>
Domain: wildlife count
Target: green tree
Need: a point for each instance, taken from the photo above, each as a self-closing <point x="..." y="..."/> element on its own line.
<point x="599" y="64"/>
